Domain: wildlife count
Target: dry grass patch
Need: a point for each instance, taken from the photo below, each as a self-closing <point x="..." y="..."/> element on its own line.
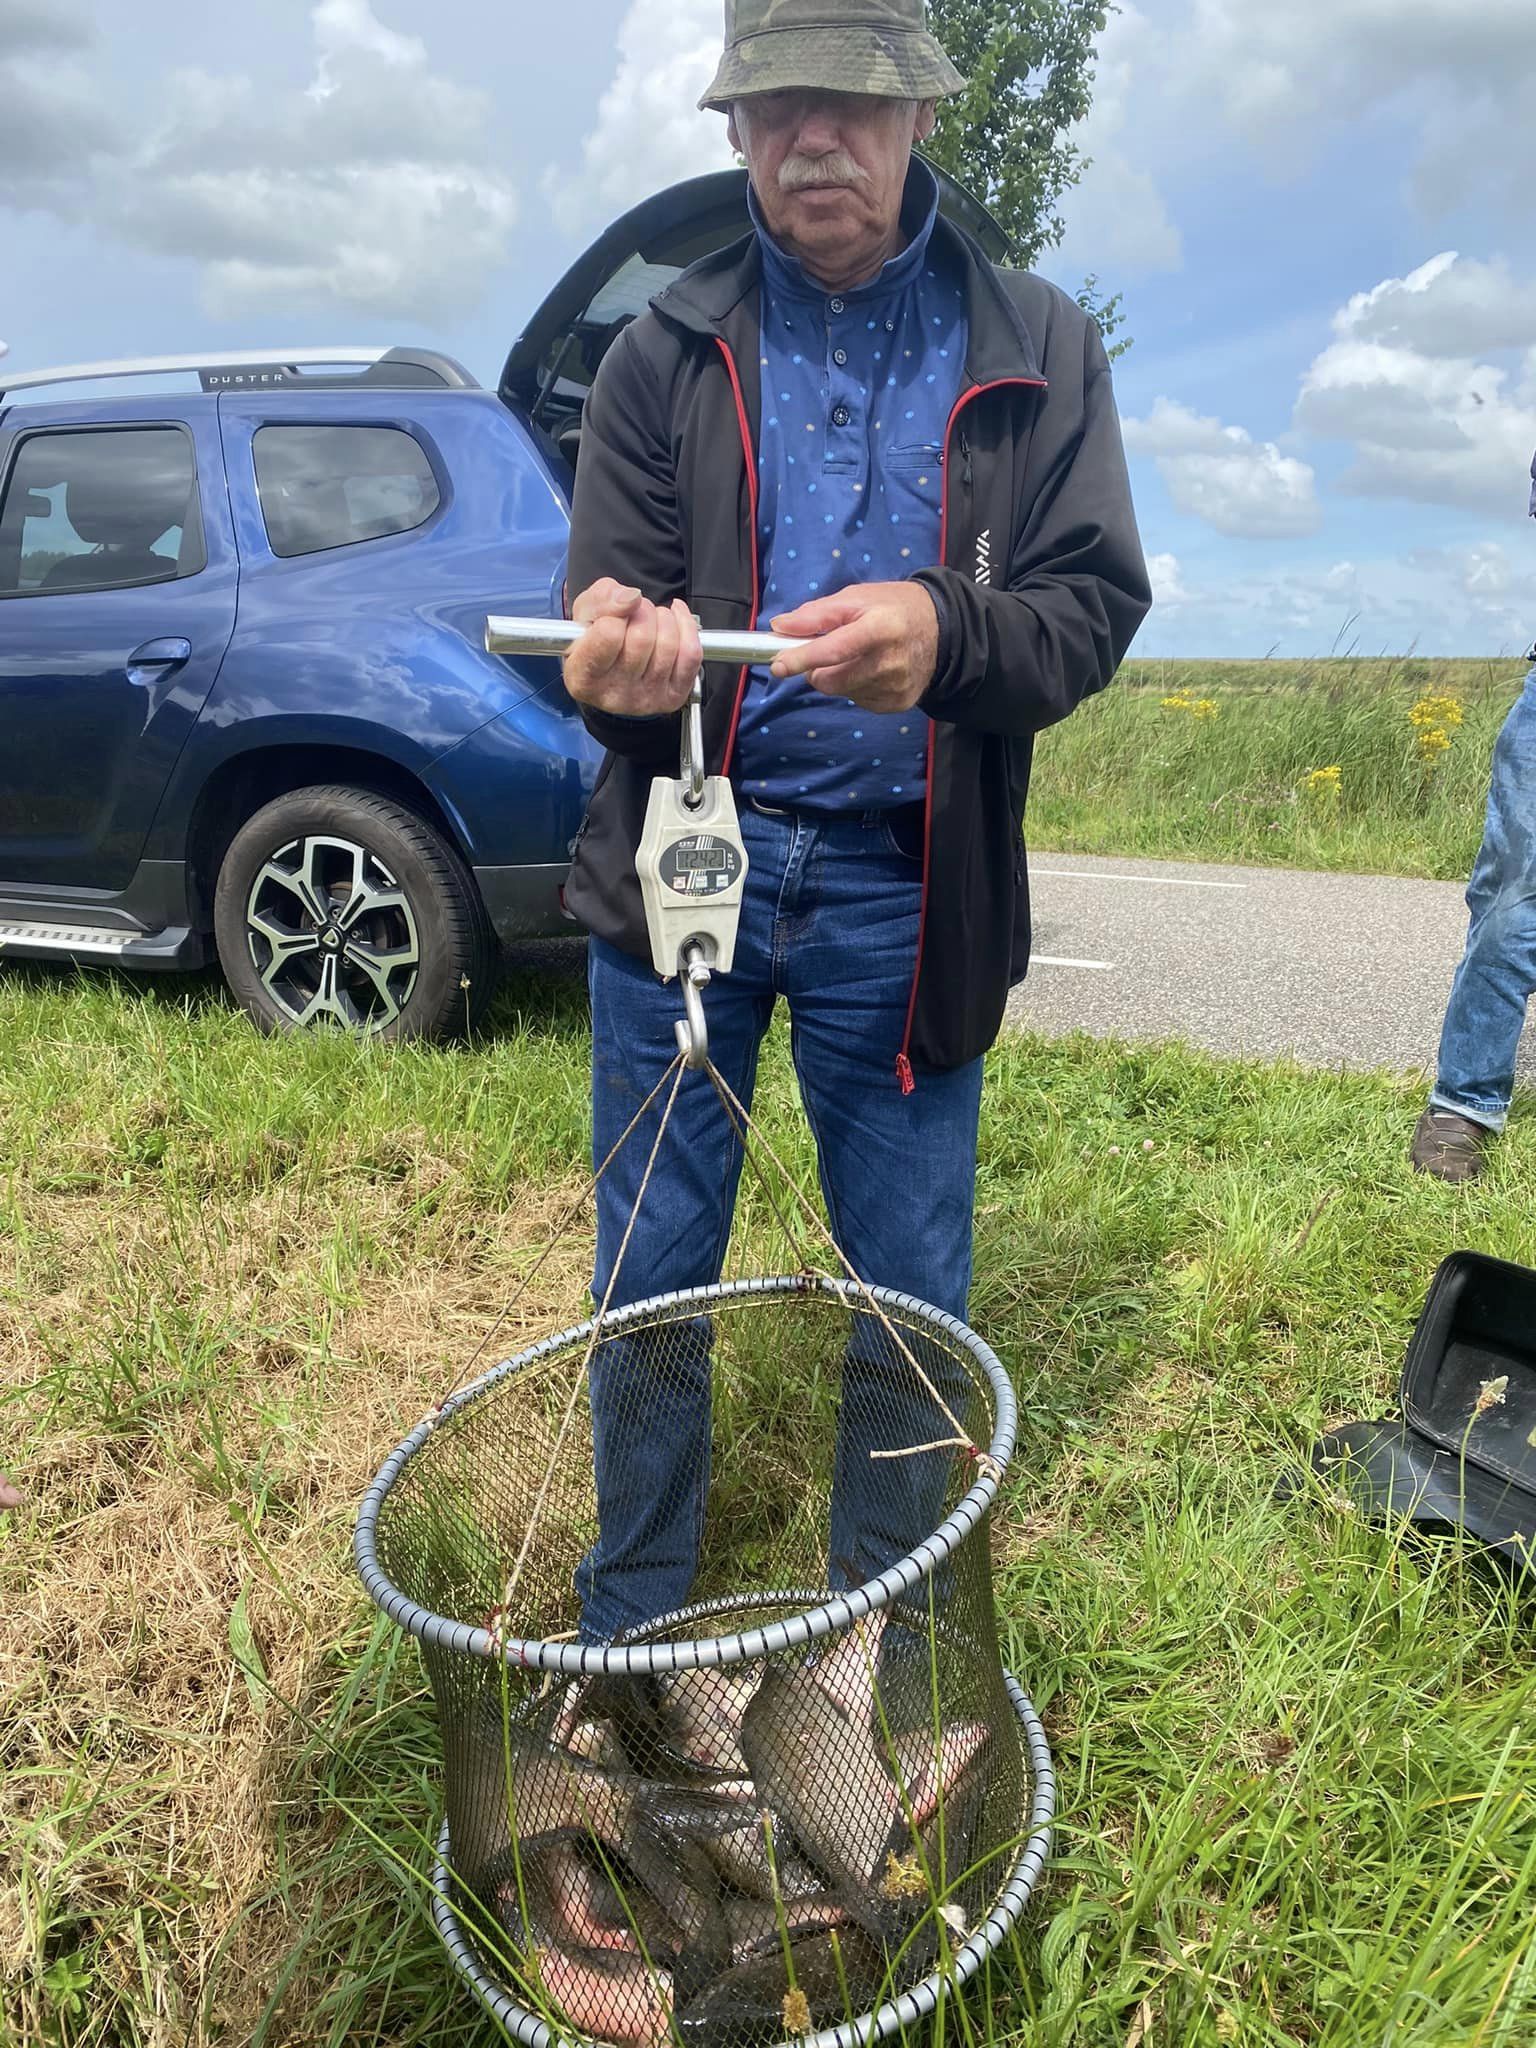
<point x="209" y="1365"/>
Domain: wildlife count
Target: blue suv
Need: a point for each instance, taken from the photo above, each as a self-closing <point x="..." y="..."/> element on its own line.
<point x="245" y="702"/>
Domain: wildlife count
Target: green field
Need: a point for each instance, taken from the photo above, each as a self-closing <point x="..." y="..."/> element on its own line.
<point x="1227" y="768"/>
<point x="1298" y="1757"/>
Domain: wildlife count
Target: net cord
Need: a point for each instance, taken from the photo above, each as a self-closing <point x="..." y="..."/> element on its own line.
<point x="558" y="1238"/>
<point x="514" y="1577"/>
<point x="742" y="1122"/>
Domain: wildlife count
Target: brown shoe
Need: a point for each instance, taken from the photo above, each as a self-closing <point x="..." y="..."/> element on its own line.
<point x="1449" y="1146"/>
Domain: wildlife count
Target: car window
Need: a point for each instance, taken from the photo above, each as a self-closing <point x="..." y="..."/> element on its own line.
<point x="100" y="509"/>
<point x="330" y="487"/>
<point x="571" y="362"/>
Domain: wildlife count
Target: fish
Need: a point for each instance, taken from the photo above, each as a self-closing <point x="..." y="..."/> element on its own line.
<point x="740" y="1856"/>
<point x="928" y="1773"/>
<point x="760" y="1924"/>
<point x="549" y="1889"/>
<point x="746" y="2004"/>
<point x="846" y="1673"/>
<point x="637" y="1711"/>
<point x="597" y="1742"/>
<point x="704" y="1708"/>
<point x="526" y="1783"/>
<point x="617" y="1998"/>
<point x="576" y="1905"/>
<point x="820" y="1769"/>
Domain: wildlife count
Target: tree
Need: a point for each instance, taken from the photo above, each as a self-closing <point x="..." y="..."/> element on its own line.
<point x="1007" y="137"/>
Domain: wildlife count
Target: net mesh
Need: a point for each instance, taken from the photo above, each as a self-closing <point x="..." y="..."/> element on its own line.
<point x="716" y="1846"/>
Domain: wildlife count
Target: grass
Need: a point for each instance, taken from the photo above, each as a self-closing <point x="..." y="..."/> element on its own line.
<point x="1297" y="1755"/>
<point x="1229" y="761"/>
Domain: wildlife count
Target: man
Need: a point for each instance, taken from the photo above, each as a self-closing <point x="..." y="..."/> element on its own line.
<point x="1486" y="1014"/>
<point x="847" y="427"/>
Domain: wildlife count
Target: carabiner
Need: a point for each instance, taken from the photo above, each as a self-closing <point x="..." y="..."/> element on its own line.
<point x="691" y="767"/>
<point x="690" y="1030"/>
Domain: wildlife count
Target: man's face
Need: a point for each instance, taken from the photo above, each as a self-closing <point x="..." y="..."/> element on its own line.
<point x="829" y="170"/>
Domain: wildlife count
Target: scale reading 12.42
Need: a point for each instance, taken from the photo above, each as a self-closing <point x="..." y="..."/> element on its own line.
<point x="691" y="861"/>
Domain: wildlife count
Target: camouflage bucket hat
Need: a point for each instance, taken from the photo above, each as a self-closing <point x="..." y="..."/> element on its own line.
<point x="881" y="47"/>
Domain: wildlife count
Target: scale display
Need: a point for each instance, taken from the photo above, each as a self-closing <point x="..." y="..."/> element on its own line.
<point x="701" y="866"/>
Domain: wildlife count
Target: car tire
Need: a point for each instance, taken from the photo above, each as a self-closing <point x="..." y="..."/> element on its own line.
<point x="337" y="906"/>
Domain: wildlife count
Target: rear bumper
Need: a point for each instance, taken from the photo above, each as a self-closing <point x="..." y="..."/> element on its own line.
<point x="524" y="902"/>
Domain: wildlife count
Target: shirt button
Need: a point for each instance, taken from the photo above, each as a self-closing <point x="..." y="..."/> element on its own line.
<point x="841" y="415"/>
<point x="890" y="326"/>
<point x="836" y="305"/>
<point x="839" y="356"/>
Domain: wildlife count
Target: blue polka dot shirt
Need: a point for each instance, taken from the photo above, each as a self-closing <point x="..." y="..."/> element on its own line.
<point x="856" y="391"/>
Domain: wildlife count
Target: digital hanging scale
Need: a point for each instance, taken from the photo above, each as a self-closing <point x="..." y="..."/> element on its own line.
<point x="691" y="861"/>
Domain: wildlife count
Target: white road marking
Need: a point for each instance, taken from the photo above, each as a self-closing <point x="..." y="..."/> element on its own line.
<point x="1159" y="881"/>
<point x="1046" y="960"/>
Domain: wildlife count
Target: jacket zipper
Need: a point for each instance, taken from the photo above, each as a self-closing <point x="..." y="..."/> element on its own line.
<point x="749" y="459"/>
<point x="904" y="1074"/>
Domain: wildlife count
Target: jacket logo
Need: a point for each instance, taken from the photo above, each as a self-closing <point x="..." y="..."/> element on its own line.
<point x="984" y="556"/>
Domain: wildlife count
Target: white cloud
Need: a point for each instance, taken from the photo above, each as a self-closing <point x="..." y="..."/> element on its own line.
<point x="371" y="188"/>
<point x="1219" y="86"/>
<point x="1430" y="601"/>
<point x="344" y="27"/>
<point x="53" y="125"/>
<point x="1167" y="581"/>
<point x="1241" y="487"/>
<point x="647" y="132"/>
<point x="1451" y="306"/>
<point x="40" y="25"/>
<point x="1117" y="220"/>
<point x="1427" y="420"/>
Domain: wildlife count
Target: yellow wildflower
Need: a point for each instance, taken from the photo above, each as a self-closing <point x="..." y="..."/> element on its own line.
<point x="1323" y="782"/>
<point x="1433" y="742"/>
<point x="1433" y="711"/>
<point x="1177" y="702"/>
<point x="1205" y="707"/>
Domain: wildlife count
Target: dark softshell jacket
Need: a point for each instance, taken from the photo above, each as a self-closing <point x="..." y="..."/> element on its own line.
<point x="1039" y="588"/>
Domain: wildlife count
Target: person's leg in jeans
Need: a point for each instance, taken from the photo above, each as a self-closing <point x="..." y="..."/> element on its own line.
<point x="650" y="1393"/>
<point x="1494" y="983"/>
<point x="898" y="1173"/>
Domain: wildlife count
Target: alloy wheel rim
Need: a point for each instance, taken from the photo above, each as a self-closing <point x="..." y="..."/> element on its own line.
<point x="332" y="935"/>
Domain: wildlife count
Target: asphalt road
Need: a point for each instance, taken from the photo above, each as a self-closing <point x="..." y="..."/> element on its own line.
<point x="1334" y="970"/>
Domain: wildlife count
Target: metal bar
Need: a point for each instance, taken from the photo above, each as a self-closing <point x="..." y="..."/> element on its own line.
<point x="554" y="636"/>
<point x="165" y="366"/>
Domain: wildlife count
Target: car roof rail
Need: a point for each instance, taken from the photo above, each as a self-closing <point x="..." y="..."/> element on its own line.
<point x="271" y="369"/>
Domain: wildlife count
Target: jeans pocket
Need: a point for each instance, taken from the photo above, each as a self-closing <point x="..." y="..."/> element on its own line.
<point x="902" y="834"/>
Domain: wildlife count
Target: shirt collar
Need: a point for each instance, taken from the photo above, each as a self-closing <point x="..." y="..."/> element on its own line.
<point x="782" y="273"/>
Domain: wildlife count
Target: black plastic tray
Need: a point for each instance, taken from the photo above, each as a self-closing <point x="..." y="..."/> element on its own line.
<point x="1478" y="1326"/>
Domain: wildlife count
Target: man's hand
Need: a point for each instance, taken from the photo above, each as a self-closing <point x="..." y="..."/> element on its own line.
<point x="635" y="658"/>
<point x="10" y="1496"/>
<point x="874" y="642"/>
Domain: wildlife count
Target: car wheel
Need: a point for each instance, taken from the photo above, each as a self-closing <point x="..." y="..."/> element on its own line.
<point x="340" y="907"/>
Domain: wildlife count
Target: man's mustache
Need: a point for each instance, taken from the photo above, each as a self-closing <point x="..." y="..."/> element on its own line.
<point x="805" y="173"/>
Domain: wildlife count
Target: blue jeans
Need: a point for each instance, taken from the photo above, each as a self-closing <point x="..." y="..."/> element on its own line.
<point x="1497" y="974"/>
<point x="830" y="922"/>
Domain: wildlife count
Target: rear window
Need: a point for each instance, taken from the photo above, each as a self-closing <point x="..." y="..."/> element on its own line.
<point x="100" y="509"/>
<point x="331" y="487"/>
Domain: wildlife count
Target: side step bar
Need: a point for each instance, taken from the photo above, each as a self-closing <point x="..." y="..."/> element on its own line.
<point x="29" y="939"/>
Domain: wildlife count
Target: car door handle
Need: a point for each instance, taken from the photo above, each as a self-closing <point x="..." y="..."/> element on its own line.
<point x="170" y="653"/>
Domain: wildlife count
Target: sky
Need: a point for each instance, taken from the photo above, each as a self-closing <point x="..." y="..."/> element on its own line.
<point x="1320" y="216"/>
